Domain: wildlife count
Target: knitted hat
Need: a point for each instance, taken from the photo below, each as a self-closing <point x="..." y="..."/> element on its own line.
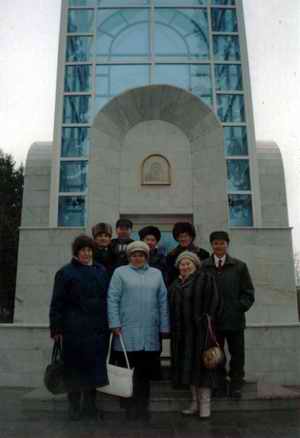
<point x="219" y="235"/>
<point x="184" y="227"/>
<point x="124" y="223"/>
<point x="101" y="228"/>
<point x="188" y="255"/>
<point x="150" y="231"/>
<point x="138" y="245"/>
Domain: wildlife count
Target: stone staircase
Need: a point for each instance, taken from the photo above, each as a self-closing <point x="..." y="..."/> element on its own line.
<point x="256" y="397"/>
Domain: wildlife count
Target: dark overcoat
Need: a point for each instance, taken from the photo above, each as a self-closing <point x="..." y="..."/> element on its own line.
<point x="190" y="302"/>
<point x="78" y="311"/>
<point x="106" y="257"/>
<point x="172" y="271"/>
<point x="119" y="249"/>
<point x="236" y="290"/>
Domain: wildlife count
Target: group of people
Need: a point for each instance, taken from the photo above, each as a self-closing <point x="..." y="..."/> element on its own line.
<point x="132" y="289"/>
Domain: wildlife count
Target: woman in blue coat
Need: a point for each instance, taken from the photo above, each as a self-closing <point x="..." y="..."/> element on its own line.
<point x="78" y="318"/>
<point x="138" y="309"/>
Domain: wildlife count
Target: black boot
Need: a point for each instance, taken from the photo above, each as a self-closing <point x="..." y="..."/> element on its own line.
<point x="130" y="409"/>
<point x="74" y="406"/>
<point x="89" y="406"/>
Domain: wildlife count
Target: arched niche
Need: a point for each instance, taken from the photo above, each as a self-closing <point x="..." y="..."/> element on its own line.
<point x="167" y="108"/>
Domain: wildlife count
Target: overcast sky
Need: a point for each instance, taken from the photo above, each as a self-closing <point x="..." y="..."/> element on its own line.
<point x="28" y="61"/>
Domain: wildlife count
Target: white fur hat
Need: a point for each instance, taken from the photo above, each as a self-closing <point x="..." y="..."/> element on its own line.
<point x="138" y="245"/>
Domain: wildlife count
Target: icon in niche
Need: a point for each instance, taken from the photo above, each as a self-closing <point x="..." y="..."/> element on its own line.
<point x="156" y="171"/>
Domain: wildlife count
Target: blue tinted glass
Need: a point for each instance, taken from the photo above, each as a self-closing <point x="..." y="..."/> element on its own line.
<point x="122" y="33"/>
<point x="238" y="175"/>
<point x="73" y="176"/>
<point x="82" y="2"/>
<point x="81" y="20"/>
<point x="77" y="109"/>
<point x="173" y="74"/>
<point x="71" y="211"/>
<point x="201" y="82"/>
<point x="167" y="242"/>
<point x="235" y="140"/>
<point x="224" y="20"/>
<point x="75" y="142"/>
<point x="223" y="2"/>
<point x="226" y="48"/>
<point x="123" y="2"/>
<point x="228" y="77"/>
<point x="79" y="48"/>
<point x="240" y="210"/>
<point x="114" y="79"/>
<point x="78" y="78"/>
<point x="231" y="108"/>
<point x="181" y="32"/>
<point x="180" y="2"/>
<point x="195" y="78"/>
<point x="100" y="102"/>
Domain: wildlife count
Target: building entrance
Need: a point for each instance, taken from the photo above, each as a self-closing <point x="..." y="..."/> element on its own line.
<point x="164" y="222"/>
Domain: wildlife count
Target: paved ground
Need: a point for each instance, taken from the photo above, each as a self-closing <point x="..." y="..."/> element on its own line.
<point x="16" y="424"/>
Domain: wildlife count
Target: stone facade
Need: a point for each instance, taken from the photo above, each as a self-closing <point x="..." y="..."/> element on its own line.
<point x="272" y="354"/>
<point x="170" y="122"/>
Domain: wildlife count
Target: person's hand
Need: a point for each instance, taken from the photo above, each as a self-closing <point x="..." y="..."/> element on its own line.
<point x="116" y="331"/>
<point x="165" y="335"/>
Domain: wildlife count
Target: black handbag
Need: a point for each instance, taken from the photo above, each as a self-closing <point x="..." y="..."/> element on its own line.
<point x="54" y="373"/>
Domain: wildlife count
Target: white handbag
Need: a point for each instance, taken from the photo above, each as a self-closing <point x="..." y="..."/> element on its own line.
<point x="120" y="379"/>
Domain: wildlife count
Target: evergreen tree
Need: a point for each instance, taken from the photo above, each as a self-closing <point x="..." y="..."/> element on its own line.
<point x="11" y="191"/>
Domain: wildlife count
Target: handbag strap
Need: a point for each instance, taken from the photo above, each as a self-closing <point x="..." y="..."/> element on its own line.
<point x="123" y="348"/>
<point x="210" y="334"/>
<point x="56" y="351"/>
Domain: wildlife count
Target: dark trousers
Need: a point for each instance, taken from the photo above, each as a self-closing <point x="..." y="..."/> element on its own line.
<point x="88" y="398"/>
<point x="145" y="365"/>
<point x="236" y="347"/>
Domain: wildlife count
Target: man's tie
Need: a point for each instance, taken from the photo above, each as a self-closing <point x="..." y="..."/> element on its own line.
<point x="220" y="267"/>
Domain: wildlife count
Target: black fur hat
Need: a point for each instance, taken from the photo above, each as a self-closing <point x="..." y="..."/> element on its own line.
<point x="82" y="241"/>
<point x="100" y="228"/>
<point x="124" y="223"/>
<point x="184" y="227"/>
<point x="219" y="235"/>
<point x="150" y="230"/>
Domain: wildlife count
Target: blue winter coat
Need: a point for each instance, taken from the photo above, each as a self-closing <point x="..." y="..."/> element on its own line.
<point x="78" y="311"/>
<point x="138" y="303"/>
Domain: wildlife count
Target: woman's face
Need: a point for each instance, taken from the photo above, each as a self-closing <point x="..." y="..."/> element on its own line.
<point x="85" y="255"/>
<point x="103" y="240"/>
<point x="186" y="267"/>
<point x="138" y="259"/>
<point x="151" y="241"/>
<point x="184" y="239"/>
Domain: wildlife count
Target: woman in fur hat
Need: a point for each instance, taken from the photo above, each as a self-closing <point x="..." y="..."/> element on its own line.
<point x="138" y="310"/>
<point x="192" y="296"/>
<point x="184" y="233"/>
<point x="78" y="319"/>
<point x="104" y="255"/>
<point x="152" y="235"/>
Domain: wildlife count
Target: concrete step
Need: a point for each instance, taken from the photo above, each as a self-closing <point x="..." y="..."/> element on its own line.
<point x="164" y="398"/>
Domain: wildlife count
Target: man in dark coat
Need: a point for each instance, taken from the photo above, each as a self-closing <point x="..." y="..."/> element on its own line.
<point x="185" y="234"/>
<point x="120" y="243"/>
<point x="78" y="319"/>
<point x="104" y="255"/>
<point x="152" y="235"/>
<point x="237" y="292"/>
